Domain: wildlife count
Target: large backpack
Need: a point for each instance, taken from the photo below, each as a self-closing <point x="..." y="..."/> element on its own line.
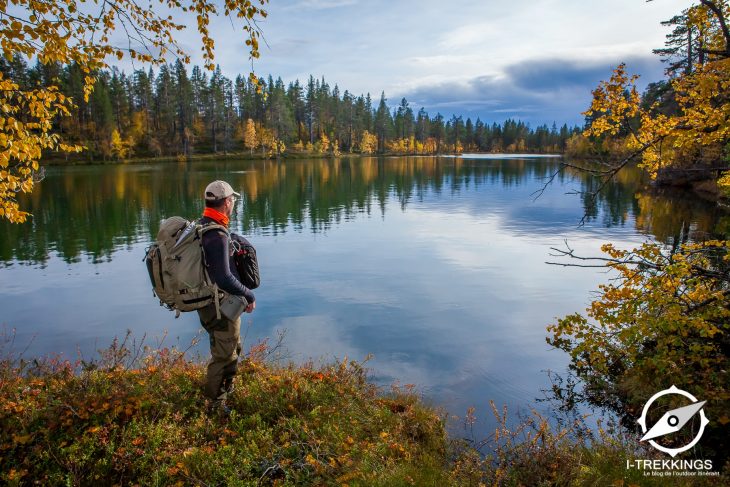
<point x="176" y="265"/>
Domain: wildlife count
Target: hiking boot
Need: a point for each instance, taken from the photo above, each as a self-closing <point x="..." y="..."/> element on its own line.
<point x="219" y="408"/>
<point x="227" y="387"/>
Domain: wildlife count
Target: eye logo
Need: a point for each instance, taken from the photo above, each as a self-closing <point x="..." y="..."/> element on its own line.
<point x="673" y="421"/>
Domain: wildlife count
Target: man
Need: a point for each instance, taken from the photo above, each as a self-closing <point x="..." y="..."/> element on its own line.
<point x="225" y="338"/>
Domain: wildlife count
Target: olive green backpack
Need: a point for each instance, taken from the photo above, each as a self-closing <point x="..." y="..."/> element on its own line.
<point x="176" y="265"/>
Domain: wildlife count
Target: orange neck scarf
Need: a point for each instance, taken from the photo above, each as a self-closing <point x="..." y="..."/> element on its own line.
<point x="216" y="215"/>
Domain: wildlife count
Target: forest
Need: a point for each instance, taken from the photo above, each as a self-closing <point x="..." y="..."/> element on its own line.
<point x="170" y="112"/>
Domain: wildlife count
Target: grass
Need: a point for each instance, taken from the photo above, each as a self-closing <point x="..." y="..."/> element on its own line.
<point x="136" y="417"/>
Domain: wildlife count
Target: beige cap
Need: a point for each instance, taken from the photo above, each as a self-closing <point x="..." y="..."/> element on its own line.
<point x="218" y="190"/>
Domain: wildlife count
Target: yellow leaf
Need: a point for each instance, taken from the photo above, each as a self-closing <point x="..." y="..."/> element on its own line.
<point x="21" y="440"/>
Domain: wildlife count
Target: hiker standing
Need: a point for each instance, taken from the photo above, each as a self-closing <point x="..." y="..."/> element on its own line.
<point x="225" y="338"/>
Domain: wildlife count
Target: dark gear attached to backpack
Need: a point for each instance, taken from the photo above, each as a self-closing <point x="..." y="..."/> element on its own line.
<point x="246" y="263"/>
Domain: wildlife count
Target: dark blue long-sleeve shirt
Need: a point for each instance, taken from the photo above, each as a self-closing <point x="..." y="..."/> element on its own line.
<point x="220" y="263"/>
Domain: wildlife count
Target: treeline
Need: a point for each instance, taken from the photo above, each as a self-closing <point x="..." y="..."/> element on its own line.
<point x="175" y="113"/>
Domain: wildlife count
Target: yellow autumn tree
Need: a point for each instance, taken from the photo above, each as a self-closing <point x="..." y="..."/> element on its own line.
<point x="120" y="148"/>
<point x="397" y="146"/>
<point x="80" y="32"/>
<point x="250" y="140"/>
<point x="25" y="131"/>
<point x="430" y="146"/>
<point x="698" y="133"/>
<point x="458" y="148"/>
<point x="322" y="145"/>
<point x="280" y="147"/>
<point x="267" y="140"/>
<point x="368" y="143"/>
<point x="139" y="126"/>
<point x="664" y="317"/>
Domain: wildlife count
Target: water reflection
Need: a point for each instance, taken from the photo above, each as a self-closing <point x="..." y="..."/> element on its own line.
<point x="434" y="265"/>
<point x="95" y="210"/>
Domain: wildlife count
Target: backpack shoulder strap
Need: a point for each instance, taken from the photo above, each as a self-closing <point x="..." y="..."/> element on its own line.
<point x="203" y="228"/>
<point x="206" y="227"/>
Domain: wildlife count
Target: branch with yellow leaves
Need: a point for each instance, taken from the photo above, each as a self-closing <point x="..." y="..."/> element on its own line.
<point x="66" y="32"/>
<point x="719" y="10"/>
<point x="661" y="309"/>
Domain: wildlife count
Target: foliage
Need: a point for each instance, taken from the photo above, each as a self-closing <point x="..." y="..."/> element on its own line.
<point x="120" y="148"/>
<point x="25" y="130"/>
<point x="112" y="423"/>
<point x="688" y="128"/>
<point x="663" y="320"/>
<point x="724" y="183"/>
<point x="270" y="145"/>
<point x="322" y="146"/>
<point x="368" y="143"/>
<point x="79" y="32"/>
<point x="250" y="140"/>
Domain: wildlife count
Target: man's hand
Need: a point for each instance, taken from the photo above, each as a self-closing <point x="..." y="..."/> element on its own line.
<point x="250" y="308"/>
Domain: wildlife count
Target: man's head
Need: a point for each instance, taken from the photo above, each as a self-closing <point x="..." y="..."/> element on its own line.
<point x="220" y="196"/>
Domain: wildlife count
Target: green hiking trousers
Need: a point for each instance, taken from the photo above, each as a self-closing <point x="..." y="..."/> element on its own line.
<point x="225" y="348"/>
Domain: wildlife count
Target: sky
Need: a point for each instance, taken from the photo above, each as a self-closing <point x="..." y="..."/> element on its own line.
<point x="536" y="60"/>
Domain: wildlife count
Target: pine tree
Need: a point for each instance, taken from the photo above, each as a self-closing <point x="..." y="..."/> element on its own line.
<point x="311" y="107"/>
<point x="165" y="111"/>
<point x="383" y="123"/>
<point x="184" y="104"/>
<point x="279" y="114"/>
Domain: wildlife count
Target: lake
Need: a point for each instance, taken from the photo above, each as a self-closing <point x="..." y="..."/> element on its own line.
<point x="435" y="266"/>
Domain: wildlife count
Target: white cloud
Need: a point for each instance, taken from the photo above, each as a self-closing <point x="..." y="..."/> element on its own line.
<point x="441" y="60"/>
<point x="468" y="36"/>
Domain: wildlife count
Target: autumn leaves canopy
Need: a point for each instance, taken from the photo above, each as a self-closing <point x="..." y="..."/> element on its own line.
<point x="84" y="33"/>
<point x="696" y="132"/>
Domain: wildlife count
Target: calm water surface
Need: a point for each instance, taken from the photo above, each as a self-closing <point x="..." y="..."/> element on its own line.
<point x="436" y="266"/>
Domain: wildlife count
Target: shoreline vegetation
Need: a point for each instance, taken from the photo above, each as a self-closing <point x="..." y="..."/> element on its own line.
<point x="136" y="416"/>
<point x="246" y="156"/>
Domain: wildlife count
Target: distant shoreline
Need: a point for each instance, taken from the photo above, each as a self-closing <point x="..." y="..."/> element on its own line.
<point x="245" y="156"/>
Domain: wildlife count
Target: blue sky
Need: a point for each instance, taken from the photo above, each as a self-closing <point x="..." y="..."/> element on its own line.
<point x="536" y="60"/>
